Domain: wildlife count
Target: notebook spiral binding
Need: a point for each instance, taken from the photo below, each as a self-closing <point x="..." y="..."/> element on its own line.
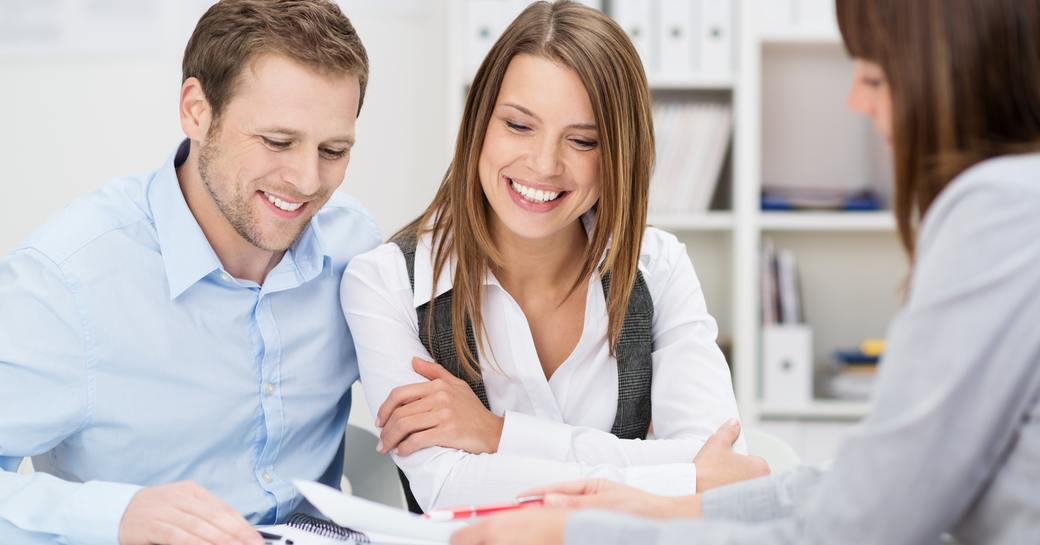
<point x="325" y="528"/>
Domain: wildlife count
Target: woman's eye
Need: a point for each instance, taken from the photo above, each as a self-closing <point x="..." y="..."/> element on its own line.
<point x="516" y="126"/>
<point x="276" y="144"/>
<point x="585" y="144"/>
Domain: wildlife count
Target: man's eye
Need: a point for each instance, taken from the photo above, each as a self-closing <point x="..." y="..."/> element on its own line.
<point x="276" y="144"/>
<point x="334" y="153"/>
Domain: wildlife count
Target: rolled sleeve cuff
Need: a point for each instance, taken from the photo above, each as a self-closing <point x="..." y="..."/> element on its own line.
<point x="762" y="499"/>
<point x="664" y="479"/>
<point x="532" y="437"/>
<point x="95" y="511"/>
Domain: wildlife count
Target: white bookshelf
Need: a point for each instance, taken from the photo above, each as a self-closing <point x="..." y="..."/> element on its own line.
<point x="793" y="128"/>
<point x="787" y="89"/>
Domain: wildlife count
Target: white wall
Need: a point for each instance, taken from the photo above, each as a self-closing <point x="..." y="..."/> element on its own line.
<point x="73" y="121"/>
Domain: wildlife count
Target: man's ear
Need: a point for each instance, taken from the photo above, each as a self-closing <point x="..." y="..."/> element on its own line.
<point x="196" y="114"/>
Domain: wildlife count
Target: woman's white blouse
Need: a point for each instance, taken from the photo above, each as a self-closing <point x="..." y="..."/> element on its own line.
<point x="557" y="429"/>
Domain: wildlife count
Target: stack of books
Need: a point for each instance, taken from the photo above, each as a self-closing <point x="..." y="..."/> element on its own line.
<point x="692" y="140"/>
<point x="854" y="371"/>
<point x="781" y="288"/>
<point x="816" y="198"/>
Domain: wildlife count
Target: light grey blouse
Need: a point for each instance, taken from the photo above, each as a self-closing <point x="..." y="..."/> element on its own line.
<point x="953" y="443"/>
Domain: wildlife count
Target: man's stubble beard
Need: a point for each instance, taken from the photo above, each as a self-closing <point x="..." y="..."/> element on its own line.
<point x="236" y="207"/>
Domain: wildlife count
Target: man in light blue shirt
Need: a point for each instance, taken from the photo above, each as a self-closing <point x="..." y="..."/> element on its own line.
<point x="184" y="325"/>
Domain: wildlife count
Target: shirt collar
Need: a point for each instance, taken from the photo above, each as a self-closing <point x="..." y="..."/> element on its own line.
<point x="187" y="254"/>
<point x="423" y="272"/>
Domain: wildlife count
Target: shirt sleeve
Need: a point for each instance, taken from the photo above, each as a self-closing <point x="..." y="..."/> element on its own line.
<point x="692" y="392"/>
<point x="956" y="385"/>
<point x="377" y="303"/>
<point x="46" y="371"/>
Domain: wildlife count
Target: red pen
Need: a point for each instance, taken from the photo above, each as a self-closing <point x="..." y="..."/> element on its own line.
<point x="471" y="511"/>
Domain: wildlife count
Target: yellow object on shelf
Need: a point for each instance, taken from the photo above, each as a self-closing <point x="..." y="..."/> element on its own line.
<point x="872" y="347"/>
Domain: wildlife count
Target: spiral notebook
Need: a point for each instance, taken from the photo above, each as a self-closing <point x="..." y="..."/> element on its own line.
<point x="304" y="529"/>
<point x="358" y="521"/>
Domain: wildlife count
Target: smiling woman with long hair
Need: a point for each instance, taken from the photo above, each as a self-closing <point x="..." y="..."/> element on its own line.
<point x="952" y="445"/>
<point x="564" y="331"/>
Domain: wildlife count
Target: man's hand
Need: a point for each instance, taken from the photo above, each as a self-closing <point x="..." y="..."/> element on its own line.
<point x="612" y="496"/>
<point x="443" y="412"/>
<point x="183" y="513"/>
<point x="527" y="526"/>
<point x="718" y="465"/>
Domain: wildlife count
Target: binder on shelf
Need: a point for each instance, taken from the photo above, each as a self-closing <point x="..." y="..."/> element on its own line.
<point x="767" y="283"/>
<point x="787" y="365"/>
<point x="678" y="35"/>
<point x="716" y="58"/>
<point x="485" y="22"/>
<point x="636" y="18"/>
<point x="790" y="288"/>
<point x="780" y="288"/>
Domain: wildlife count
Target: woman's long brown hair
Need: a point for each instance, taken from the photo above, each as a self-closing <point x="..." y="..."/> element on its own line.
<point x="595" y="47"/>
<point x="965" y="82"/>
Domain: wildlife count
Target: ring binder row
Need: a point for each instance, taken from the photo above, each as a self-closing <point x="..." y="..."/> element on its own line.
<point x="324" y="528"/>
<point x="485" y="22"/>
<point x="678" y="40"/>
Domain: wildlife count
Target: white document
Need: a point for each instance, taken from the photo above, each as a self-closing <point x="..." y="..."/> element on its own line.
<point x="382" y="524"/>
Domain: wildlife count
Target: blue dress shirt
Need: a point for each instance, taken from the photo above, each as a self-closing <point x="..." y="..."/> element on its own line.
<point x="129" y="357"/>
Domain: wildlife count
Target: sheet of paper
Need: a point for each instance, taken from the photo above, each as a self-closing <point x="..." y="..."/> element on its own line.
<point x="379" y="521"/>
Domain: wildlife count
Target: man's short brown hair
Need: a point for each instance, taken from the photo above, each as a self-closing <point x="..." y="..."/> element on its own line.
<point x="232" y="33"/>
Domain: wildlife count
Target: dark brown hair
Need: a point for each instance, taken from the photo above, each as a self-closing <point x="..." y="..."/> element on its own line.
<point x="965" y="82"/>
<point x="232" y="33"/>
<point x="599" y="51"/>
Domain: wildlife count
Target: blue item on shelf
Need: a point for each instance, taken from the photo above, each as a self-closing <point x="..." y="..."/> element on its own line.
<point x="853" y="357"/>
<point x="793" y="198"/>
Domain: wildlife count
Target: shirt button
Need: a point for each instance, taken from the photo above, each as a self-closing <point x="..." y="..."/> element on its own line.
<point x="267" y="477"/>
<point x="268" y="389"/>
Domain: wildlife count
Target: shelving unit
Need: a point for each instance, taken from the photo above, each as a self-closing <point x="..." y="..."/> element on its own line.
<point x="793" y="128"/>
<point x="787" y="88"/>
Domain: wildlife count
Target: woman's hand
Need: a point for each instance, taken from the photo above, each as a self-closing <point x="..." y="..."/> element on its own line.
<point x="443" y="412"/>
<point x="612" y="496"/>
<point x="527" y="526"/>
<point x="718" y="465"/>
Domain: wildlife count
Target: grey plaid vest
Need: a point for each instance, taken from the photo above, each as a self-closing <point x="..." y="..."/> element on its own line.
<point x="633" y="352"/>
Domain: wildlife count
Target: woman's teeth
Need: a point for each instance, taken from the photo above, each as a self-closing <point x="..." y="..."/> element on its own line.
<point x="284" y="205"/>
<point x="532" y="194"/>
